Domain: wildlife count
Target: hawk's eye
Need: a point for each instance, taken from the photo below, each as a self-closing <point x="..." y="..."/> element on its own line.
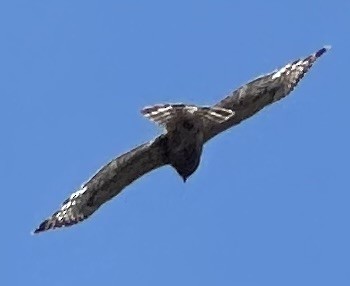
<point x="187" y="125"/>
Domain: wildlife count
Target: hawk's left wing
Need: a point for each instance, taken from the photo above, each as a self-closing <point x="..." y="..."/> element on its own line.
<point x="108" y="182"/>
<point x="266" y="89"/>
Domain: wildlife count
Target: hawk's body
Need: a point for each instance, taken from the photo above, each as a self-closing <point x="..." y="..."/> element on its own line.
<point x="185" y="147"/>
<point x="185" y="144"/>
<point x="187" y="127"/>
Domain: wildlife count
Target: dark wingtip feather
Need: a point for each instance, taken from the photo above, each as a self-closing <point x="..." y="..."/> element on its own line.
<point x="41" y="227"/>
<point x="322" y="51"/>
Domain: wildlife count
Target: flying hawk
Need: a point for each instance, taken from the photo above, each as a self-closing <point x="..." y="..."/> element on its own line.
<point x="187" y="129"/>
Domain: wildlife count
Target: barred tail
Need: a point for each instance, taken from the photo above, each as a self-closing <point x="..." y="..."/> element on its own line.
<point x="163" y="113"/>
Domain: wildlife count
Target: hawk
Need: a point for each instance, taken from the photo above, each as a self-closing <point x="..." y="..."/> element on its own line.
<point x="186" y="129"/>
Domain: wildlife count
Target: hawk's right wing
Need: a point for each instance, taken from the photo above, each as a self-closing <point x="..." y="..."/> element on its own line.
<point x="266" y="89"/>
<point x="108" y="182"/>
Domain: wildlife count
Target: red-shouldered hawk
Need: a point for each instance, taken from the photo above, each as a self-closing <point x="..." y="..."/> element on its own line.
<point x="187" y="128"/>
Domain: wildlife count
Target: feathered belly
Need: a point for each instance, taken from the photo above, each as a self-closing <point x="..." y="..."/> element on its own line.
<point x="185" y="152"/>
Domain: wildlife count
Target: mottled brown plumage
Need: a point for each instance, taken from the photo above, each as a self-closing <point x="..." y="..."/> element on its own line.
<point x="187" y="128"/>
<point x="184" y="126"/>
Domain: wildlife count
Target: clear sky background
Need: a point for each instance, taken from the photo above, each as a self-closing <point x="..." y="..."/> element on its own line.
<point x="269" y="204"/>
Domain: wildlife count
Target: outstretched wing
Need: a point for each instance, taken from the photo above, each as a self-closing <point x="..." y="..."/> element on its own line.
<point x="266" y="89"/>
<point x="108" y="182"/>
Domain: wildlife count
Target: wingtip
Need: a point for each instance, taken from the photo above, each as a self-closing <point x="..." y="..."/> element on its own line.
<point x="322" y="51"/>
<point x="34" y="232"/>
<point x="40" y="228"/>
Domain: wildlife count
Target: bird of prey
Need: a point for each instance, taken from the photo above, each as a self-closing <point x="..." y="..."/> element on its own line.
<point x="186" y="129"/>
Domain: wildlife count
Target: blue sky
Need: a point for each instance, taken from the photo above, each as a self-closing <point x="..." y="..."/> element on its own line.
<point x="269" y="204"/>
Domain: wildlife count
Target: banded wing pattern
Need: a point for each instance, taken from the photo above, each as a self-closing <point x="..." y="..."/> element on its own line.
<point x="262" y="91"/>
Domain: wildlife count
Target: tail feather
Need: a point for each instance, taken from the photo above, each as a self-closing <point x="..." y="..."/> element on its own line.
<point x="216" y="114"/>
<point x="163" y="113"/>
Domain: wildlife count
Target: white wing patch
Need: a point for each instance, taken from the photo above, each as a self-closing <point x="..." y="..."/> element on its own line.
<point x="73" y="210"/>
<point x="300" y="66"/>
